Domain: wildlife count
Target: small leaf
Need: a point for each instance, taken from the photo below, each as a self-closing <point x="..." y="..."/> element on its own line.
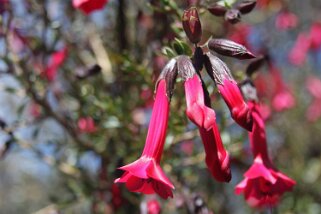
<point x="167" y="51"/>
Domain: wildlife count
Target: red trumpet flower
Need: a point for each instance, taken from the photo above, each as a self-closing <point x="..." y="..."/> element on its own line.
<point x="145" y="174"/>
<point x="197" y="111"/>
<point x="235" y="102"/>
<point x="263" y="185"/>
<point x="217" y="159"/>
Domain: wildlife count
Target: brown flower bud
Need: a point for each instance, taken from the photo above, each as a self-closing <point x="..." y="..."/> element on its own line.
<point x="192" y="25"/>
<point x="230" y="48"/>
<point x="217" y="10"/>
<point x="233" y="16"/>
<point x="246" y="6"/>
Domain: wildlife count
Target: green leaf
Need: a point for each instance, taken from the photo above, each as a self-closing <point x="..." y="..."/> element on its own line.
<point x="167" y="51"/>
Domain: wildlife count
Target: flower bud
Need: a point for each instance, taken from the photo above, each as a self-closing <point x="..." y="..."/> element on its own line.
<point x="192" y="25"/>
<point x="246" y="6"/>
<point x="233" y="16"/>
<point x="230" y="48"/>
<point x="217" y="10"/>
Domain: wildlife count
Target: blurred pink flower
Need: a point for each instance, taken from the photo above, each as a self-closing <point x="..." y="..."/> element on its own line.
<point x="35" y="109"/>
<point x="313" y="84"/>
<point x="315" y="35"/>
<point x="261" y="83"/>
<point x="235" y="102"/>
<point x="196" y="110"/>
<point x="240" y="33"/>
<point x="263" y="3"/>
<point x="55" y="61"/>
<point x="282" y="98"/>
<point x="145" y="174"/>
<point x="88" y="6"/>
<point x="86" y="125"/>
<point x="298" y="53"/>
<point x="187" y="147"/>
<point x="263" y="185"/>
<point x="153" y="207"/>
<point x="314" y="111"/>
<point x="286" y="20"/>
<point x="147" y="97"/>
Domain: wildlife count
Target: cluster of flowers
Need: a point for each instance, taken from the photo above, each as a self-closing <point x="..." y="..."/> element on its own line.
<point x="263" y="184"/>
<point x="305" y="42"/>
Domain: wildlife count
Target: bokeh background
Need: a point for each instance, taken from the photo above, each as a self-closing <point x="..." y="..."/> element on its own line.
<point x="76" y="94"/>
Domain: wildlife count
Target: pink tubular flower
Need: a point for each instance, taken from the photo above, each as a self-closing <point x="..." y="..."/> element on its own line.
<point x="235" y="102"/>
<point x="263" y="185"/>
<point x="55" y="61"/>
<point x="217" y="158"/>
<point x="227" y="86"/>
<point x="286" y="20"/>
<point x="145" y="174"/>
<point x="88" y="6"/>
<point x="197" y="111"/>
<point x="86" y="125"/>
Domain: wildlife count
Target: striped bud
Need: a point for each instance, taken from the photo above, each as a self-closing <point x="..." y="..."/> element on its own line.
<point x="229" y="48"/>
